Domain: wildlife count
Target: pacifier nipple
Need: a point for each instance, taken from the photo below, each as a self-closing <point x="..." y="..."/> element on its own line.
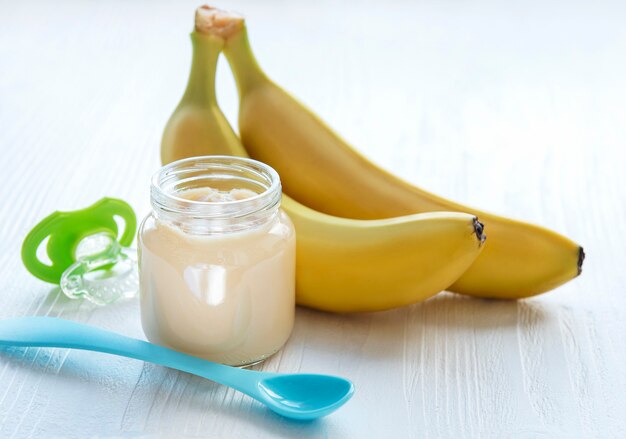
<point x="104" y="271"/>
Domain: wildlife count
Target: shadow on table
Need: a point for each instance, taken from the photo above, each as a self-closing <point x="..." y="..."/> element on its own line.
<point x="58" y="304"/>
<point x="209" y="404"/>
<point x="445" y="309"/>
<point x="332" y="338"/>
<point x="160" y="399"/>
<point x="379" y="334"/>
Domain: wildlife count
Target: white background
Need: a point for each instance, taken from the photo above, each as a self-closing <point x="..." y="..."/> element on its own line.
<point x="515" y="107"/>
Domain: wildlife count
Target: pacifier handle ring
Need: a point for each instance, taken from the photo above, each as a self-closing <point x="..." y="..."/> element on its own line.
<point x="115" y="206"/>
<point x="33" y="240"/>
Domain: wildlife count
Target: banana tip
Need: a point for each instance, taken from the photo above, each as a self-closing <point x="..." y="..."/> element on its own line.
<point x="478" y="230"/>
<point x="581" y="259"/>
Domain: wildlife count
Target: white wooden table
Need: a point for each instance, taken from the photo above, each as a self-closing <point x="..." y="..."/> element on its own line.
<point x="517" y="108"/>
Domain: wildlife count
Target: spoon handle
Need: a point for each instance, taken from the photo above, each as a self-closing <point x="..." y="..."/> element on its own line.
<point x="60" y="333"/>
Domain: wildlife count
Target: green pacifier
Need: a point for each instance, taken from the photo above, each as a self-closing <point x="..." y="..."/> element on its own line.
<point x="87" y="259"/>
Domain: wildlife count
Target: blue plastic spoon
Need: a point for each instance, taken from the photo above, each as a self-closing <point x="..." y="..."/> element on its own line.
<point x="296" y="396"/>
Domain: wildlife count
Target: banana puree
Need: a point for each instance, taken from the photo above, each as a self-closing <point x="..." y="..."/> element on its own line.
<point x="226" y="297"/>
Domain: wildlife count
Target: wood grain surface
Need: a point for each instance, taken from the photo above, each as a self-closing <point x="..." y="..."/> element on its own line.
<point x="516" y="107"/>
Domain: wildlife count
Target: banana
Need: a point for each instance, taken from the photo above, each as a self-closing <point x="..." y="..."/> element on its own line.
<point x="346" y="265"/>
<point x="198" y="120"/>
<point x="343" y="265"/>
<point x="320" y="170"/>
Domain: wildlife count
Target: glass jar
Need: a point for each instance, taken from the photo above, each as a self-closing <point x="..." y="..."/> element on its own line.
<point x="217" y="278"/>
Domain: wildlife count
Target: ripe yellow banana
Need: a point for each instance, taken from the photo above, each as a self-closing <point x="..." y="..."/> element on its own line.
<point x="343" y="265"/>
<point x="346" y="265"/>
<point x="320" y="170"/>
<point x="198" y="122"/>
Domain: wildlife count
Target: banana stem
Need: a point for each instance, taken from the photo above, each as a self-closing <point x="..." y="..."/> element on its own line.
<point x="201" y="84"/>
<point x="231" y="28"/>
<point x="244" y="65"/>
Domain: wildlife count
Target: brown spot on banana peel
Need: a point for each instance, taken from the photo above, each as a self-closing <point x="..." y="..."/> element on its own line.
<point x="581" y="259"/>
<point x="218" y="22"/>
<point x="478" y="231"/>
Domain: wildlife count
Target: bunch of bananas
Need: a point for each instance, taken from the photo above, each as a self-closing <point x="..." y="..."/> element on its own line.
<point x="395" y="246"/>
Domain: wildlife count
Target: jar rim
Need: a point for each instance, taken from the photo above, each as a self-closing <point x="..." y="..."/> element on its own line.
<point x="165" y="199"/>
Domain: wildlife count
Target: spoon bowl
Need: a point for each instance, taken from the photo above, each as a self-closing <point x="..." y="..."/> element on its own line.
<point x="305" y="396"/>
